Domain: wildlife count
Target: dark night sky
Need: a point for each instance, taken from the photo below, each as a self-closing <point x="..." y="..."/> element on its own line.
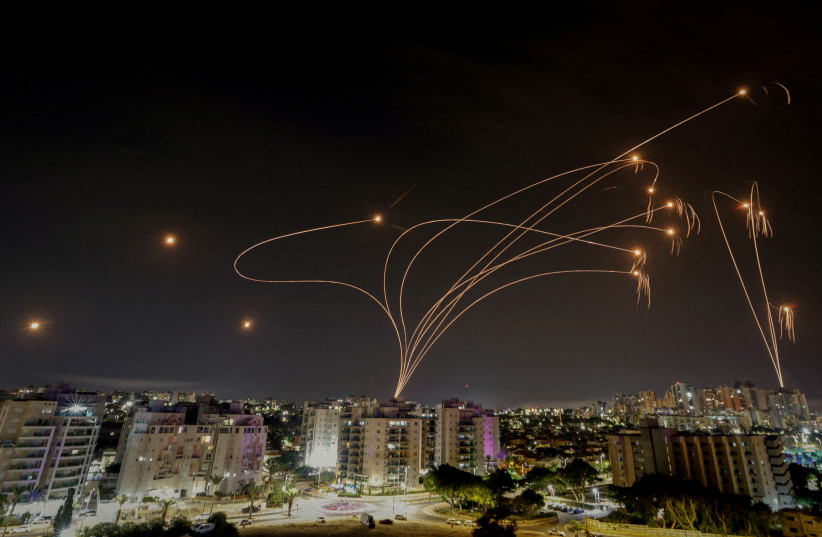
<point x="230" y="127"/>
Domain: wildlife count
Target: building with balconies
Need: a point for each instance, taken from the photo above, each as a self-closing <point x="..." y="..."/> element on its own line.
<point x="47" y="440"/>
<point x="752" y="465"/>
<point x="466" y="436"/>
<point x="172" y="450"/>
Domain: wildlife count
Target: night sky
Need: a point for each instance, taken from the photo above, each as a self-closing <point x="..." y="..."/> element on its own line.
<point x="229" y="127"/>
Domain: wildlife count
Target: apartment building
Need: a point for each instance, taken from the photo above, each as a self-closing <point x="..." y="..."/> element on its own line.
<point x="382" y="446"/>
<point x="47" y="440"/>
<point x="320" y="432"/>
<point x="467" y="436"/>
<point x="172" y="450"/>
<point x="752" y="465"/>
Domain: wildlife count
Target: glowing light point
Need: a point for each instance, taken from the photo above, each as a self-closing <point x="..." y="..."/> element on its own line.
<point x="786" y="309"/>
<point x="670" y="231"/>
<point x="169" y="240"/>
<point x="35" y="326"/>
<point x="378" y="218"/>
<point x="635" y="158"/>
<point x="637" y="252"/>
<point x="247" y="324"/>
<point x="746" y="205"/>
<point x="77" y="408"/>
<point x="651" y="190"/>
<point x="742" y="92"/>
<point x="670" y="204"/>
<point x="636" y="273"/>
<point x="761" y="213"/>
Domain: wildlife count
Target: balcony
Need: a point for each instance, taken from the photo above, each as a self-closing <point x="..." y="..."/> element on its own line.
<point x="37" y="423"/>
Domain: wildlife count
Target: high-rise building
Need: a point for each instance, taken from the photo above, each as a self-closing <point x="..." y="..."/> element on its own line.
<point x="47" y="439"/>
<point x="685" y="398"/>
<point x="467" y="436"/>
<point x="752" y="465"/>
<point x="173" y="450"/>
<point x="382" y="446"/>
<point x="320" y="432"/>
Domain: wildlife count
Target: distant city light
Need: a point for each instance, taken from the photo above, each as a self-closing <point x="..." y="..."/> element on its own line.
<point x="651" y="190"/>
<point x="378" y="218"/>
<point x="35" y="326"/>
<point x="247" y="324"/>
<point x="170" y="240"/>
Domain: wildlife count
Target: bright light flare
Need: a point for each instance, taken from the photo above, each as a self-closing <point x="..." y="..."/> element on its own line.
<point x="743" y="92"/>
<point x="77" y="408"/>
<point x="637" y="252"/>
<point x="378" y="218"/>
<point x="669" y="231"/>
<point x="669" y="204"/>
<point x="35" y="326"/>
<point x="635" y="158"/>
<point x="746" y="205"/>
<point x="170" y="240"/>
<point x="247" y="325"/>
<point x="650" y="190"/>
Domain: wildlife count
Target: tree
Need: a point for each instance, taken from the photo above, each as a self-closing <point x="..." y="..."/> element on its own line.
<point x="121" y="499"/>
<point x="270" y="467"/>
<point x="574" y="526"/>
<point x="452" y="484"/>
<point x="494" y="524"/>
<point x="289" y="495"/>
<point x="216" y="481"/>
<point x="62" y="520"/>
<point x="481" y="494"/>
<point x="540" y="478"/>
<point x="576" y="476"/>
<point x="529" y="501"/>
<point x="165" y="505"/>
<point x="500" y="481"/>
<point x="253" y="493"/>
<point x="659" y="500"/>
<point x="16" y="494"/>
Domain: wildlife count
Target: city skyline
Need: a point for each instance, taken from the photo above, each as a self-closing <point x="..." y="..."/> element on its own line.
<point x="117" y="143"/>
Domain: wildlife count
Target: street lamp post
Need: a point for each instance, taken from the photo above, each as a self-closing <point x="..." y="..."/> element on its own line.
<point x="595" y="491"/>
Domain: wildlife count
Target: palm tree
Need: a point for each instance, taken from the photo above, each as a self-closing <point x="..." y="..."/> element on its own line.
<point x="288" y="497"/>
<point x="121" y="499"/>
<point x="216" y="481"/>
<point x="166" y="504"/>
<point x="16" y="495"/>
<point x="271" y="468"/>
<point x="253" y="493"/>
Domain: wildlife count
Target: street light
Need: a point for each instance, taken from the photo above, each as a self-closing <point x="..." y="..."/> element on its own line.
<point x="595" y="491"/>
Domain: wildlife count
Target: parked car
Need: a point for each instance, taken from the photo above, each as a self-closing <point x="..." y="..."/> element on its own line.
<point x="579" y="511"/>
<point x="321" y="519"/>
<point x="386" y="521"/>
<point x="469" y="524"/>
<point x="556" y="532"/>
<point x="308" y="489"/>
<point x="19" y="529"/>
<point x="247" y="510"/>
<point x="202" y="529"/>
<point x="400" y="517"/>
<point x="245" y="522"/>
<point x="453" y="521"/>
